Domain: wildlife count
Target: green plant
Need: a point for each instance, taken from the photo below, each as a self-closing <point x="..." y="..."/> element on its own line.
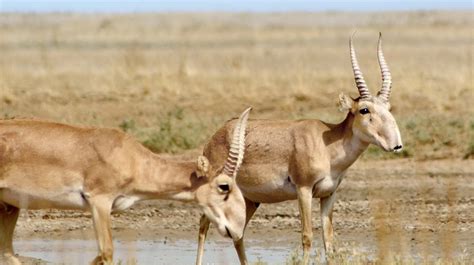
<point x="127" y="125"/>
<point x="470" y="150"/>
<point x="175" y="133"/>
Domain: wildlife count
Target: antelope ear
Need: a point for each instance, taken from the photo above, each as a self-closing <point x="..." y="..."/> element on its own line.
<point x="202" y="166"/>
<point x="345" y="102"/>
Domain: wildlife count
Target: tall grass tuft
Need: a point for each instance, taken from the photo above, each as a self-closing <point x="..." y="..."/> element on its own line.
<point x="175" y="133"/>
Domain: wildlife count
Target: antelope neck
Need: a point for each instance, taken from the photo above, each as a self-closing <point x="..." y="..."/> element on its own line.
<point x="344" y="147"/>
<point x="165" y="178"/>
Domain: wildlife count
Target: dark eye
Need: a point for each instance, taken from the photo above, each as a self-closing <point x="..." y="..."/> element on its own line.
<point x="223" y="188"/>
<point x="364" y="111"/>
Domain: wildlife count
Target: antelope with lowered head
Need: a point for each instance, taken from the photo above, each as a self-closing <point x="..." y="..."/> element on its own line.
<point x="305" y="159"/>
<point x="52" y="165"/>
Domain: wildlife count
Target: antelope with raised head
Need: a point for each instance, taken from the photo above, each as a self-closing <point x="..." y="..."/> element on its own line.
<point x="52" y="165"/>
<point x="305" y="159"/>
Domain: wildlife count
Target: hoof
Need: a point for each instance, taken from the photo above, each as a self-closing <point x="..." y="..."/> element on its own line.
<point x="100" y="261"/>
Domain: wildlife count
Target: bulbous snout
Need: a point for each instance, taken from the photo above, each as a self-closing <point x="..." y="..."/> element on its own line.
<point x="394" y="139"/>
<point x="397" y="145"/>
<point x="388" y="135"/>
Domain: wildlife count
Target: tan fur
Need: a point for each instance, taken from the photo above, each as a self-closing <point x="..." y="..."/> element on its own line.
<point x="305" y="159"/>
<point x="51" y="165"/>
<point x="287" y="158"/>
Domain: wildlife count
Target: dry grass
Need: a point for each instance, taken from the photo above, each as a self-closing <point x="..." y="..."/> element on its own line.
<point x="173" y="79"/>
<point x="349" y="256"/>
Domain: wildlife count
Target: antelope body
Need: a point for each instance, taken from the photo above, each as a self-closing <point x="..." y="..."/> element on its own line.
<point x="305" y="159"/>
<point x="51" y="165"/>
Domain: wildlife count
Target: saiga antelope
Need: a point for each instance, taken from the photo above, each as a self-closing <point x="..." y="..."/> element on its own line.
<point x="305" y="159"/>
<point x="51" y="165"/>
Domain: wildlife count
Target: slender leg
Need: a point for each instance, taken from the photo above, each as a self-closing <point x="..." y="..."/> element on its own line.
<point x="327" y="204"/>
<point x="101" y="208"/>
<point x="203" y="228"/>
<point x="305" y="196"/>
<point x="8" y="218"/>
<point x="250" y="208"/>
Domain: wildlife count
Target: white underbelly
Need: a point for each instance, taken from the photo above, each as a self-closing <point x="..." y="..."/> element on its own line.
<point x="124" y="202"/>
<point x="41" y="186"/>
<point x="280" y="189"/>
<point x="271" y="191"/>
<point x="38" y="200"/>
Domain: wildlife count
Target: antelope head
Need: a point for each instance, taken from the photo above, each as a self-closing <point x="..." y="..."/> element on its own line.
<point x="221" y="200"/>
<point x="373" y="121"/>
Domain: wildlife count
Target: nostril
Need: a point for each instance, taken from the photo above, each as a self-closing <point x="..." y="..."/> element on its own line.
<point x="398" y="147"/>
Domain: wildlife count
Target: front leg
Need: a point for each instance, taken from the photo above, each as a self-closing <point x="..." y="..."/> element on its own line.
<point x="305" y="196"/>
<point x="250" y="208"/>
<point x="8" y="218"/>
<point x="327" y="204"/>
<point x="203" y="228"/>
<point x="101" y="208"/>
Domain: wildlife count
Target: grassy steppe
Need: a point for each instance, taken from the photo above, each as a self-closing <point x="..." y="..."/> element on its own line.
<point x="173" y="79"/>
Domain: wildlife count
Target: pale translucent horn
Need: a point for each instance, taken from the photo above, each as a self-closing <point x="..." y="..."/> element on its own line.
<point x="237" y="146"/>
<point x="359" y="77"/>
<point x="384" y="92"/>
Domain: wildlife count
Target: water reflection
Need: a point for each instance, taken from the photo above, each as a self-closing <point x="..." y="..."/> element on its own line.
<point x="75" y="251"/>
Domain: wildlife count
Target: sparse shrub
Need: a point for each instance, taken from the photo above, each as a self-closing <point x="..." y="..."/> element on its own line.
<point x="422" y="136"/>
<point x="127" y="125"/>
<point x="432" y="136"/>
<point x="175" y="133"/>
<point x="470" y="150"/>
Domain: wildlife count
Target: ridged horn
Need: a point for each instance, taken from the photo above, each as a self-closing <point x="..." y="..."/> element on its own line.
<point x="384" y="92"/>
<point x="237" y="146"/>
<point x="359" y="77"/>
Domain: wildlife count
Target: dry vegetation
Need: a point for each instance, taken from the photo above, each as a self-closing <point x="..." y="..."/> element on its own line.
<point x="172" y="79"/>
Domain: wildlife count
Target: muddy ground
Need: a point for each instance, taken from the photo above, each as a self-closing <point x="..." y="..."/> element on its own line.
<point x="419" y="209"/>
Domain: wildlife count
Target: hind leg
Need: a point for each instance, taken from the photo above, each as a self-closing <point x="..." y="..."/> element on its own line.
<point x="8" y="217"/>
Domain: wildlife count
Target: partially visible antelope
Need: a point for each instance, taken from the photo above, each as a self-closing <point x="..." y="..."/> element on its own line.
<point x="305" y="159"/>
<point x="52" y="165"/>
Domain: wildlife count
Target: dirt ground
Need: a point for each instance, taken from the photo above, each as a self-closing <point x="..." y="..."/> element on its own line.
<point x="404" y="207"/>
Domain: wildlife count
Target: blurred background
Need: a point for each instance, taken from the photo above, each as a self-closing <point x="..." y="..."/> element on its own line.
<point x="172" y="72"/>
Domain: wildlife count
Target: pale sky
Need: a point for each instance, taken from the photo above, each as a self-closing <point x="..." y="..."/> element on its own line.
<point x="111" y="6"/>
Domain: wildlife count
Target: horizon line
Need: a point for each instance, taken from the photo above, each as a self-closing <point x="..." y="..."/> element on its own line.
<point x="247" y="6"/>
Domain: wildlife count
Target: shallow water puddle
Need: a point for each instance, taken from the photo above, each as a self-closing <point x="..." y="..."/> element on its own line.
<point x="148" y="251"/>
